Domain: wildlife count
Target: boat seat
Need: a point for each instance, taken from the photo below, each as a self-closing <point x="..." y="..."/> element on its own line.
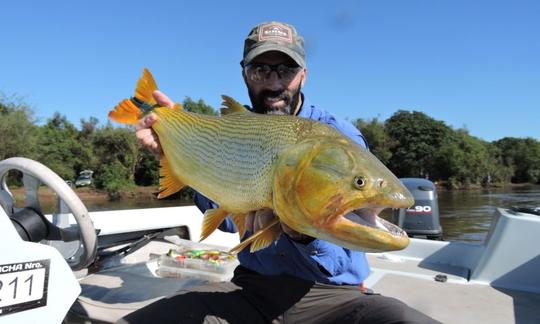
<point x="112" y="294"/>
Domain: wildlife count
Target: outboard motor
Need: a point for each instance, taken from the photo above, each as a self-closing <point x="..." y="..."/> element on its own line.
<point x="422" y="219"/>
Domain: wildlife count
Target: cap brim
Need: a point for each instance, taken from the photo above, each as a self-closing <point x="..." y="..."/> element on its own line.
<point x="273" y="47"/>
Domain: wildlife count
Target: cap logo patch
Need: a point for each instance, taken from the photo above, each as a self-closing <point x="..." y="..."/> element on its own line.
<point x="275" y="32"/>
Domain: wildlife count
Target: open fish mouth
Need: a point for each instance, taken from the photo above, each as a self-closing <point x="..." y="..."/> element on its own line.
<point x="370" y="217"/>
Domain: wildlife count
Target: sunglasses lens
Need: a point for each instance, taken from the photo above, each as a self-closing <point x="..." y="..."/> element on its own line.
<point x="262" y="72"/>
<point x="259" y="73"/>
<point x="286" y="73"/>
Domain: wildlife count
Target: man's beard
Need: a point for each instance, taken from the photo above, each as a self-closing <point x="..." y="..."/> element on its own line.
<point x="291" y="99"/>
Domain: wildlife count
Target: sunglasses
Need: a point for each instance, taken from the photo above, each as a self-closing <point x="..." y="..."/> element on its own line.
<point x="261" y="72"/>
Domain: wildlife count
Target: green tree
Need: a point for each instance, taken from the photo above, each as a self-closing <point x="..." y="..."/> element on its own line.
<point x="522" y="156"/>
<point x="463" y="160"/>
<point x="147" y="168"/>
<point x="117" y="150"/>
<point x="497" y="172"/>
<point x="375" y="134"/>
<point x="18" y="134"/>
<point x="89" y="160"/>
<point x="88" y="127"/>
<point x="114" y="177"/>
<point x="59" y="148"/>
<point x="199" y="107"/>
<point x="415" y="139"/>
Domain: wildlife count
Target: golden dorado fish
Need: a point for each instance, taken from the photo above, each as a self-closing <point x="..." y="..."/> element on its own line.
<point x="308" y="173"/>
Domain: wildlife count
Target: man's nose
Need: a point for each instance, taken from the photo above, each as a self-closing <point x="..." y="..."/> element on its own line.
<point x="273" y="82"/>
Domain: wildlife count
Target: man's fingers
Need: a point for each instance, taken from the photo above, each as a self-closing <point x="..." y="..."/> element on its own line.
<point x="259" y="219"/>
<point x="149" y="141"/>
<point x="146" y="122"/>
<point x="148" y="138"/>
<point x="143" y="131"/>
<point x="249" y="221"/>
<point x="162" y="99"/>
<point x="144" y="135"/>
<point x="262" y="218"/>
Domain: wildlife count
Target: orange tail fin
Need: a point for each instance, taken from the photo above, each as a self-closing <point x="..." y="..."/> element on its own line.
<point x="129" y="111"/>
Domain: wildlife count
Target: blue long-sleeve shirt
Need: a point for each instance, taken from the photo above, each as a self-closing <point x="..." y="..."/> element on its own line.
<point x="318" y="261"/>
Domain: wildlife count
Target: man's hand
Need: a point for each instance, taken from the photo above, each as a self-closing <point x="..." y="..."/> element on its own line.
<point x="261" y="218"/>
<point x="143" y="130"/>
<point x="296" y="236"/>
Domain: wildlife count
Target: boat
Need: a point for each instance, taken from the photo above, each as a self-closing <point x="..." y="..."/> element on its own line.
<point x="75" y="266"/>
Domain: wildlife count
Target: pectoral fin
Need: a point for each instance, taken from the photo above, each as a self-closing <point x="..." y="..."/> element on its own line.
<point x="212" y="219"/>
<point x="261" y="238"/>
<point x="168" y="183"/>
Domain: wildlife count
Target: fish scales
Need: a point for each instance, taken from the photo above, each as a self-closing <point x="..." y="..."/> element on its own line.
<point x="230" y="158"/>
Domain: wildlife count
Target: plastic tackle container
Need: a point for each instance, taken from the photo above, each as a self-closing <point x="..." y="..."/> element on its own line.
<point x="196" y="260"/>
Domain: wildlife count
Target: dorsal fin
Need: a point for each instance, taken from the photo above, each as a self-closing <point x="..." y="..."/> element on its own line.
<point x="261" y="239"/>
<point x="178" y="107"/>
<point x="168" y="183"/>
<point x="212" y="219"/>
<point x="231" y="106"/>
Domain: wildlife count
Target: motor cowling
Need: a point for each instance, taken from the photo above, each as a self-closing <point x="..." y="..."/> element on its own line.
<point x="422" y="219"/>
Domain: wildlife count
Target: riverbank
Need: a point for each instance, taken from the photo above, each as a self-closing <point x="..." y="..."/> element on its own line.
<point x="445" y="186"/>
<point x="91" y="195"/>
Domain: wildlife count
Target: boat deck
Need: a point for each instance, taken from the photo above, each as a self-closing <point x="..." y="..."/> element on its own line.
<point x="454" y="301"/>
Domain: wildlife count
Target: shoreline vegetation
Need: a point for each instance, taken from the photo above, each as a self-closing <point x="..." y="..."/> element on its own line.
<point x="92" y="195"/>
<point x="409" y="143"/>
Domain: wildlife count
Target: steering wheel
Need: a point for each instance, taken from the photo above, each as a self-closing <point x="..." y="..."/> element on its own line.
<point x="34" y="174"/>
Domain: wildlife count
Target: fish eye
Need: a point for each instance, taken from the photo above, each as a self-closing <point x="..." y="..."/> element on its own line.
<point x="359" y="182"/>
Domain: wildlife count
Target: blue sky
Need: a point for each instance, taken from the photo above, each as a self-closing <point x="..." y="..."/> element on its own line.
<point x="472" y="64"/>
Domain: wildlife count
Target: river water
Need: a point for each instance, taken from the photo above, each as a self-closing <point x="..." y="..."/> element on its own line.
<point x="465" y="215"/>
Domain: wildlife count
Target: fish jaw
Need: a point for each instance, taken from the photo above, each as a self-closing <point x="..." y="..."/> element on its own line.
<point x="317" y="187"/>
<point x="364" y="230"/>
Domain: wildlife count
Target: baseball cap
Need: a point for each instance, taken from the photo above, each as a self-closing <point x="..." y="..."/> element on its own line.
<point x="274" y="36"/>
